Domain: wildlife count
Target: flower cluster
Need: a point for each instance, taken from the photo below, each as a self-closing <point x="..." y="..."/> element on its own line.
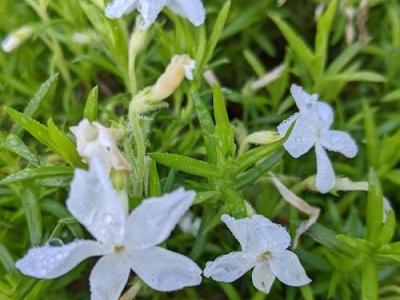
<point x="128" y="242"/>
<point x="131" y="241"/>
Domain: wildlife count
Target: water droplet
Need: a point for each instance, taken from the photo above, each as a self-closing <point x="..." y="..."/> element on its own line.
<point x="108" y="218"/>
<point x="55" y="242"/>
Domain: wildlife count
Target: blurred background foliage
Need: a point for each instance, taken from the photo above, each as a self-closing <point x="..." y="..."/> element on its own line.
<point x="347" y="51"/>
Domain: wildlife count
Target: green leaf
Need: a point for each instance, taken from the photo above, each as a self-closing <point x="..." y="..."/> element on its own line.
<point x="63" y="145"/>
<point x="207" y="128"/>
<point x="38" y="130"/>
<point x="31" y="173"/>
<point x="34" y="103"/>
<point x="49" y="136"/>
<point x="154" y="185"/>
<point x="234" y="202"/>
<point x="223" y="127"/>
<point x="7" y="261"/>
<point x="257" y="171"/>
<point x="216" y="33"/>
<point x="388" y="229"/>
<point x="252" y="156"/>
<point x="343" y="59"/>
<point x="186" y="164"/>
<point x="374" y="207"/>
<point x="367" y="76"/>
<point x="202" y="197"/>
<point x="371" y="136"/>
<point x="91" y="106"/>
<point x="14" y="144"/>
<point x="324" y="24"/>
<point x="33" y="216"/>
<point x="369" y="283"/>
<point x="299" y="47"/>
<point x="361" y="245"/>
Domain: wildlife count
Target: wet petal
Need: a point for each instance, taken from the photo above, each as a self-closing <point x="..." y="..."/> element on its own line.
<point x="153" y="220"/>
<point x="262" y="277"/>
<point x="164" y="270"/>
<point x="193" y="10"/>
<point x="325" y="112"/>
<point x="287" y="267"/>
<point x="339" y="141"/>
<point x="229" y="267"/>
<point x="304" y="101"/>
<point x="258" y="234"/>
<point x="303" y="136"/>
<point x="149" y="11"/>
<point x="109" y="277"/>
<point x="51" y="262"/>
<point x="285" y="125"/>
<point x="94" y="202"/>
<point x="118" y="8"/>
<point x="325" y="178"/>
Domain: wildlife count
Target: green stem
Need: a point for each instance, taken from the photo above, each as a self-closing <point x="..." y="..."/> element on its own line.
<point x="140" y="152"/>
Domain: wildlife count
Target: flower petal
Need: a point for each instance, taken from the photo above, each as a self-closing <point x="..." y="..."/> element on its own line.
<point x="149" y="11"/>
<point x="325" y="179"/>
<point x="117" y="8"/>
<point x="285" y="125"/>
<point x="109" y="277"/>
<point x="164" y="270"/>
<point x="303" y="135"/>
<point x="304" y="101"/>
<point x="153" y="220"/>
<point x="287" y="267"/>
<point x="262" y="277"/>
<point x="339" y="141"/>
<point x="258" y="234"/>
<point x="193" y="10"/>
<point x="51" y="262"/>
<point x="95" y="203"/>
<point x="229" y="267"/>
<point x="325" y="112"/>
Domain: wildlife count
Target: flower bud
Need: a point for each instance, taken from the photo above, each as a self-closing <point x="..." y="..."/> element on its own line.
<point x="99" y="142"/>
<point x="264" y="137"/>
<point x="16" y="38"/>
<point x="181" y="66"/>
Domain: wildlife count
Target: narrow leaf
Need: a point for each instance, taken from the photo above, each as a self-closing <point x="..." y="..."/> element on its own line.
<point x="186" y="164"/>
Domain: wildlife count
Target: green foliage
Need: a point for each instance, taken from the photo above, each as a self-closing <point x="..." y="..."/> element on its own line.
<point x="53" y="80"/>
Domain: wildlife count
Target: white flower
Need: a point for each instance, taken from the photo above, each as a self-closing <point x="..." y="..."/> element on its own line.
<point x="189" y="223"/>
<point x="264" y="247"/>
<point x="94" y="141"/>
<point x="16" y="38"/>
<point x="312" y="130"/>
<point x="125" y="241"/>
<point x="193" y="10"/>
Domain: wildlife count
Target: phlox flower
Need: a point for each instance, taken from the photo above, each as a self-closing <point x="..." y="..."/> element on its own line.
<point x="193" y="10"/>
<point x="264" y="247"/>
<point x="124" y="241"/>
<point x="312" y="129"/>
<point x="94" y="141"/>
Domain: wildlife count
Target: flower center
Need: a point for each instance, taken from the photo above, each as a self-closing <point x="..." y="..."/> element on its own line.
<point x="265" y="256"/>
<point x="118" y="248"/>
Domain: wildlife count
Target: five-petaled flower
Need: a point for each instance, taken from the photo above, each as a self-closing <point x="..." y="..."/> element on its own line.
<point x="312" y="129"/>
<point x="124" y="241"/>
<point x="193" y="10"/>
<point x="94" y="141"/>
<point x="264" y="247"/>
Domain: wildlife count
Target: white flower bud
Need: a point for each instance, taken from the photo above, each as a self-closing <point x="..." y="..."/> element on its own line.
<point x="94" y="141"/>
<point x="16" y="38"/>
<point x="264" y="137"/>
<point x="181" y="66"/>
